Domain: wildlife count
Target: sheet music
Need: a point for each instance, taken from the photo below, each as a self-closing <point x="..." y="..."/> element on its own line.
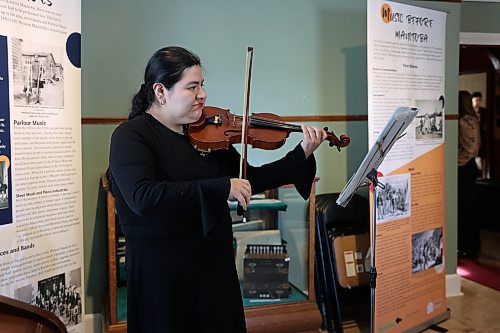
<point x="392" y="131"/>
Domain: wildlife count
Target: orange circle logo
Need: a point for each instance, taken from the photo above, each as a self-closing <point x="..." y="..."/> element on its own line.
<point x="386" y="13"/>
<point x="6" y="160"/>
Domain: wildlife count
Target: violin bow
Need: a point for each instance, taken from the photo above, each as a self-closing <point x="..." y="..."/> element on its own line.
<point x="245" y="124"/>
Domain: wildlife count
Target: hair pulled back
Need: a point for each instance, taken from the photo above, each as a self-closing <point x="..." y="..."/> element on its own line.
<point x="165" y="66"/>
<point x="465" y="104"/>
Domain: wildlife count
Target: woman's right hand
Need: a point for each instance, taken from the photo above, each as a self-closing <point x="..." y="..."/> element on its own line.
<point x="241" y="190"/>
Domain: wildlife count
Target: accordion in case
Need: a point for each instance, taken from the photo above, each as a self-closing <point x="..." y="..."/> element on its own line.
<point x="265" y="271"/>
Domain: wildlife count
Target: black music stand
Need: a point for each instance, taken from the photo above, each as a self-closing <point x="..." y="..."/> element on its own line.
<point x="326" y="280"/>
<point x="367" y="171"/>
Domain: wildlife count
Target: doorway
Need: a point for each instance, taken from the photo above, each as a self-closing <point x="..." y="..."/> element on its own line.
<point x="479" y="71"/>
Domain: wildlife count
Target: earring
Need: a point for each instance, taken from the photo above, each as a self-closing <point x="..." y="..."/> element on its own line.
<point x="161" y="101"/>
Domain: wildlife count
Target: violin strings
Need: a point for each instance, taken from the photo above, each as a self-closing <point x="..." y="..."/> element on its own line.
<point x="274" y="124"/>
<point x="254" y="120"/>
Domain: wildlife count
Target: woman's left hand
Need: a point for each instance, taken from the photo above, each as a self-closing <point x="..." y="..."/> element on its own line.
<point x="313" y="137"/>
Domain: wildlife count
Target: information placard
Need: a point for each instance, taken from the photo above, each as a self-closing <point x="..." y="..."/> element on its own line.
<point x="41" y="231"/>
<point x="406" y="63"/>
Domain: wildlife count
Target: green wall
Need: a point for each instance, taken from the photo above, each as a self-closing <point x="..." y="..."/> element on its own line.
<point x="480" y="17"/>
<point x="310" y="59"/>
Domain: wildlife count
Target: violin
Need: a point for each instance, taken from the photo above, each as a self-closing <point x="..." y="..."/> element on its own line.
<point x="219" y="128"/>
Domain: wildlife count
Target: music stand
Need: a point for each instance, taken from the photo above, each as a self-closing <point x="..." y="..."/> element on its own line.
<point x="367" y="171"/>
<point x="326" y="279"/>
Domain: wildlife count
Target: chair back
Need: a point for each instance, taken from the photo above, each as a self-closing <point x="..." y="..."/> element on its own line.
<point x="352" y="219"/>
<point x="20" y="317"/>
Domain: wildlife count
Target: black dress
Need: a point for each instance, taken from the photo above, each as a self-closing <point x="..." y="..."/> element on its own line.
<point x="172" y="205"/>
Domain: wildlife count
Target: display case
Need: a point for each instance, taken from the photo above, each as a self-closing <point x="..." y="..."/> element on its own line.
<point x="274" y="253"/>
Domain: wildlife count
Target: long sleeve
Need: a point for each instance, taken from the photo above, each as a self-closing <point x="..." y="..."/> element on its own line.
<point x="293" y="168"/>
<point x="158" y="178"/>
<point x="133" y="167"/>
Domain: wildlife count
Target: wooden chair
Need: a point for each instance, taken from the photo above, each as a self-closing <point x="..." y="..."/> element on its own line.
<point x="20" y="317"/>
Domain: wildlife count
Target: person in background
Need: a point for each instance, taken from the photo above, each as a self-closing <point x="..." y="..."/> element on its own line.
<point x="171" y="201"/>
<point x="477" y="97"/>
<point x="468" y="149"/>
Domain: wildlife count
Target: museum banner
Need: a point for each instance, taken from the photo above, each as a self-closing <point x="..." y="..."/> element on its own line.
<point x="41" y="231"/>
<point x="406" y="67"/>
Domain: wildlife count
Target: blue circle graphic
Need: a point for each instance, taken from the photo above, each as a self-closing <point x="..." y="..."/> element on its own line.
<point x="73" y="48"/>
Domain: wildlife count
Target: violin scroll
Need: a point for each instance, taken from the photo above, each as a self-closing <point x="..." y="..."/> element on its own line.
<point x="335" y="141"/>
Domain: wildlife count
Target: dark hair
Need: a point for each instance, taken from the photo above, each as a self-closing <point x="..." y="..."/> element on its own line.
<point x="477" y="94"/>
<point x="465" y="104"/>
<point x="165" y="66"/>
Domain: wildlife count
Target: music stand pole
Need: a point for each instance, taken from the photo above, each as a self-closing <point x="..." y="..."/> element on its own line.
<point x="372" y="176"/>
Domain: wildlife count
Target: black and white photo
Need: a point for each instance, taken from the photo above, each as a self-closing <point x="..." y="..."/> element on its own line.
<point x="429" y="122"/>
<point x="427" y="249"/>
<point x="60" y="294"/>
<point x="393" y="198"/>
<point x="38" y="74"/>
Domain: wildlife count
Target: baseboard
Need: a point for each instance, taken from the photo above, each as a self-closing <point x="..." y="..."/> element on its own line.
<point x="453" y="285"/>
<point x="93" y="323"/>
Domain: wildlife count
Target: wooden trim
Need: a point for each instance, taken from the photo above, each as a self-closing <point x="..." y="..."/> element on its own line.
<point x="312" y="234"/>
<point x="304" y="119"/>
<point x="118" y="120"/>
<point x="102" y="120"/>
<point x="359" y="117"/>
<point x="107" y="326"/>
<point x="112" y="264"/>
<point x="305" y="320"/>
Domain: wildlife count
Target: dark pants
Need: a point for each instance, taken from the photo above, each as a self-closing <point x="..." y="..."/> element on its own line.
<point x="468" y="226"/>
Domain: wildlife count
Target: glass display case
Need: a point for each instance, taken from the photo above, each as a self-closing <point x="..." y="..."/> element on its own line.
<point x="274" y="253"/>
<point x="292" y="229"/>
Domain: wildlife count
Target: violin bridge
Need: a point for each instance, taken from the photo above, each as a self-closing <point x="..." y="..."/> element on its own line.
<point x="217" y="119"/>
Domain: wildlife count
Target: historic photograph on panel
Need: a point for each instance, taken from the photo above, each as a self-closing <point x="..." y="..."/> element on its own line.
<point x="429" y="122"/>
<point x="427" y="249"/>
<point x="393" y="197"/>
<point x="59" y="294"/>
<point x="38" y="74"/>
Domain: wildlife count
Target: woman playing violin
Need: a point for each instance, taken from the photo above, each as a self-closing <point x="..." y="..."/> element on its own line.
<point x="172" y="203"/>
